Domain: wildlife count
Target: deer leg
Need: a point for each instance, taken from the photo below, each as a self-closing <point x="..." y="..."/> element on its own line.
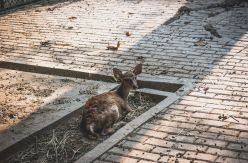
<point x="91" y="133"/>
<point x="110" y="121"/>
<point x="107" y="131"/>
<point x="119" y="125"/>
<point x="128" y="108"/>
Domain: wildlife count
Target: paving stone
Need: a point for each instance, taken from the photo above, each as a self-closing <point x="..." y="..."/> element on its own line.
<point x="137" y="145"/>
<point x="136" y="153"/>
<point x="116" y="158"/>
<point x="166" y="44"/>
<point x="201" y="156"/>
<point x="230" y="160"/>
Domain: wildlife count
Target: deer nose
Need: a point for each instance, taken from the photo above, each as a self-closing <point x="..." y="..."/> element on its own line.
<point x="135" y="86"/>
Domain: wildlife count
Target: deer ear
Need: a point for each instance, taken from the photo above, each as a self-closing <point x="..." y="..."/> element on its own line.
<point x="117" y="74"/>
<point x="138" y="69"/>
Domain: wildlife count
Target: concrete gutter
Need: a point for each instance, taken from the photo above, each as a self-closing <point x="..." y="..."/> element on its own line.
<point x="131" y="126"/>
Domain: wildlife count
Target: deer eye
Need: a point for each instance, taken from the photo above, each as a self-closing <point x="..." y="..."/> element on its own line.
<point x="128" y="80"/>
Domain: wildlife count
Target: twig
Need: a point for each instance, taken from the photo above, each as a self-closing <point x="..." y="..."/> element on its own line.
<point x="36" y="146"/>
<point x="74" y="152"/>
<point x="54" y="142"/>
<point x="66" y="155"/>
<point x="233" y="118"/>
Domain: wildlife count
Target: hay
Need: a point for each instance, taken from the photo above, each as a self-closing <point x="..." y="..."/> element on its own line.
<point x="65" y="143"/>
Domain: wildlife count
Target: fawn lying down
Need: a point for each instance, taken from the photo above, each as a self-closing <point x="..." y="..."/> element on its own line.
<point x="102" y="111"/>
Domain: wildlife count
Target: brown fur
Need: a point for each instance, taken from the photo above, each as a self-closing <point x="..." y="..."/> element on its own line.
<point x="102" y="111"/>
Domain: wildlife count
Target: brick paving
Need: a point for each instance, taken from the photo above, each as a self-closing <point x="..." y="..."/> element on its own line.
<point x="209" y="124"/>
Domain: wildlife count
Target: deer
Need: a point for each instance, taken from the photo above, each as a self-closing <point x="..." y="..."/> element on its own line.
<point x="101" y="112"/>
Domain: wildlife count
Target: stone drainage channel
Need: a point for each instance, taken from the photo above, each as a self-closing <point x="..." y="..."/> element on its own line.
<point x="163" y="91"/>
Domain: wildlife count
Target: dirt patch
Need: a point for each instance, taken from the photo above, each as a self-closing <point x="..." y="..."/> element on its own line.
<point x="21" y="95"/>
<point x="65" y="143"/>
<point x="24" y="94"/>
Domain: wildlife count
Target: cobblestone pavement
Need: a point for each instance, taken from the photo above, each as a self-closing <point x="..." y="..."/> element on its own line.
<point x="194" y="39"/>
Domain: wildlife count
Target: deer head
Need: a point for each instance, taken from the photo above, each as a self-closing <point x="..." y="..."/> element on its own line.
<point x="128" y="79"/>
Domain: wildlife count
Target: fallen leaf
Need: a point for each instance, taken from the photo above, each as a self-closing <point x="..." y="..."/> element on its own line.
<point x="128" y="34"/>
<point x="72" y="17"/>
<point x="93" y="65"/>
<point x="114" y="48"/>
<point x="205" y="89"/>
<point x="70" y="28"/>
<point x="50" y="9"/>
<point x="222" y="117"/>
<point x="164" y="72"/>
<point x="140" y="57"/>
<point x="45" y="43"/>
<point x="200" y="43"/>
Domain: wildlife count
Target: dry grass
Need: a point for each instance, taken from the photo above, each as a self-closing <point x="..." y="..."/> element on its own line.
<point x="65" y="143"/>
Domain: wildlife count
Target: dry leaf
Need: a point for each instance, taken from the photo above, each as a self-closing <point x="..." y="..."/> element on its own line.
<point x="114" y="47"/>
<point x="72" y="17"/>
<point x="200" y="43"/>
<point x="128" y="34"/>
<point x="205" y="89"/>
